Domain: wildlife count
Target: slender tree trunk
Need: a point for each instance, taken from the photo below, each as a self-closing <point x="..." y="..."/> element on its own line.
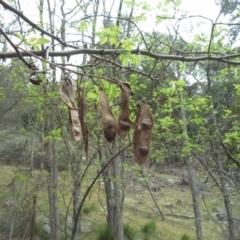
<point x="223" y="181"/>
<point x="76" y="171"/>
<point x="192" y="182"/>
<point x="52" y="190"/>
<point x="112" y="177"/>
<point x="226" y="197"/>
<point x="117" y="174"/>
<point x="107" y="173"/>
<point x="32" y="155"/>
<point x="193" y="187"/>
<point x="52" y="149"/>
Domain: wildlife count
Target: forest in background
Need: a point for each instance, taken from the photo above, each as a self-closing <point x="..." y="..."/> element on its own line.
<point x="188" y="78"/>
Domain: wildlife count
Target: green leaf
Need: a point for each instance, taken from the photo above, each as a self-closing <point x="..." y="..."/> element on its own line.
<point x="19" y="35"/>
<point x="42" y="41"/>
<point x="177" y="3"/>
<point x="103" y="40"/>
<point x="92" y="95"/>
<point x="83" y="26"/>
<point x="36" y="47"/>
<point x="159" y="5"/>
<point x="33" y="39"/>
<point x="166" y="3"/>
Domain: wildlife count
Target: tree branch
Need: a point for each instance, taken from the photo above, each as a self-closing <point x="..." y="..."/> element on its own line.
<point x="223" y="58"/>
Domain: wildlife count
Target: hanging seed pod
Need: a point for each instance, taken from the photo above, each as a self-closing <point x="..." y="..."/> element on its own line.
<point x="108" y="120"/>
<point x="129" y="88"/>
<point x="75" y="124"/>
<point x="145" y="126"/>
<point x="136" y="132"/>
<point x="35" y="82"/>
<point x="124" y="122"/>
<point x="83" y="117"/>
<point x="67" y="93"/>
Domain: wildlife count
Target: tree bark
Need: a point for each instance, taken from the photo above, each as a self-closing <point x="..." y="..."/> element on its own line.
<point x="76" y="171"/>
<point x="227" y="202"/>
<point x="107" y="173"/>
<point x="117" y="174"/>
<point x="52" y="190"/>
<point x="192" y="183"/>
<point x="113" y="184"/>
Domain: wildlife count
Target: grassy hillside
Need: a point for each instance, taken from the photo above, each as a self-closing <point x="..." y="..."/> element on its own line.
<point x="141" y="215"/>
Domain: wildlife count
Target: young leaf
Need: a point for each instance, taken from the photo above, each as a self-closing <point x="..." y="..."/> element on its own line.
<point x="36" y="47"/>
<point x="177" y="3"/>
<point x="33" y="39"/>
<point x="42" y="41"/>
<point x="92" y="95"/>
<point x="19" y="35"/>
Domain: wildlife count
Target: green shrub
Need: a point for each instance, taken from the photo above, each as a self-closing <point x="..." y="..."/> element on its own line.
<point x="89" y="208"/>
<point x="38" y="230"/>
<point x="63" y="237"/>
<point x="149" y="229"/>
<point x="185" y="237"/>
<point x="130" y="233"/>
<point x="105" y="233"/>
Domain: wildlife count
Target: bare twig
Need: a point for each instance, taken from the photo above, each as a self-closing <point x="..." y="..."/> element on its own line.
<point x="19" y="55"/>
<point x="22" y="16"/>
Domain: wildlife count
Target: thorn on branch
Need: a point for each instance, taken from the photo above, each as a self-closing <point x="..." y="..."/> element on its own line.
<point x="138" y="49"/>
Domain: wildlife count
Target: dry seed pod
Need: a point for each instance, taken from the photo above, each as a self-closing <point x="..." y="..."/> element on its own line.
<point x="83" y="117"/>
<point x="67" y="93"/>
<point x="136" y="132"/>
<point x="108" y="120"/>
<point x="35" y="82"/>
<point x="75" y="124"/>
<point x="124" y="122"/>
<point x="145" y="126"/>
<point x="129" y="88"/>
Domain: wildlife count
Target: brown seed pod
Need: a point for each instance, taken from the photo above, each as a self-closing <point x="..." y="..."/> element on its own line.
<point x="83" y="117"/>
<point x="129" y="88"/>
<point x="35" y="82"/>
<point x="145" y="126"/>
<point x="108" y="120"/>
<point x="124" y="122"/>
<point x="67" y="93"/>
<point x="136" y="132"/>
<point x="75" y="124"/>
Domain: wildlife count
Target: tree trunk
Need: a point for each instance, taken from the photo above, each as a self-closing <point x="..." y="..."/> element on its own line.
<point x="217" y="156"/>
<point x="112" y="177"/>
<point x="32" y="155"/>
<point x="226" y="197"/>
<point x="76" y="171"/>
<point x="107" y="173"/>
<point x="117" y="174"/>
<point x="192" y="183"/>
<point x="52" y="190"/>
